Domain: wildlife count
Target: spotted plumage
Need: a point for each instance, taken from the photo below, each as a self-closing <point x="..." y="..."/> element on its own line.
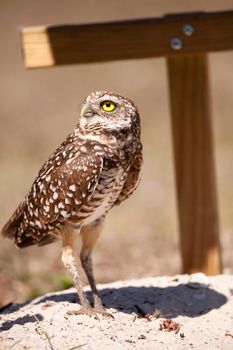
<point x="95" y="168"/>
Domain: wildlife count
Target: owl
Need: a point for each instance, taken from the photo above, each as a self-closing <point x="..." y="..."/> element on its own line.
<point x="97" y="167"/>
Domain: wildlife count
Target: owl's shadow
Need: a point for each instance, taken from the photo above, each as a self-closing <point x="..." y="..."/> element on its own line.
<point x="167" y="302"/>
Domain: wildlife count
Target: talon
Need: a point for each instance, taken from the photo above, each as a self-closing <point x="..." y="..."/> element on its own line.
<point x="105" y="313"/>
<point x="102" y="311"/>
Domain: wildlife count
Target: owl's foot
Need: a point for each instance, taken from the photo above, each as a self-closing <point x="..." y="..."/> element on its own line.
<point x="84" y="310"/>
<point x="100" y="309"/>
<point x="90" y="311"/>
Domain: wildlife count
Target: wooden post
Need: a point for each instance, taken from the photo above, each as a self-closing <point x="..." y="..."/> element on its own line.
<point x="194" y="163"/>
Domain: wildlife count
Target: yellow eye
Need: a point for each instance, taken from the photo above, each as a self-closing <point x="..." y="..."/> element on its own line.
<point x="108" y="106"/>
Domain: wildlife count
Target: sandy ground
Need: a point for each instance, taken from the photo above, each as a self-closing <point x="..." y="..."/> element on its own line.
<point x="181" y="312"/>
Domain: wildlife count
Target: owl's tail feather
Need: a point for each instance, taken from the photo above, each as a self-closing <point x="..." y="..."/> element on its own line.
<point x="11" y="227"/>
<point x="28" y="241"/>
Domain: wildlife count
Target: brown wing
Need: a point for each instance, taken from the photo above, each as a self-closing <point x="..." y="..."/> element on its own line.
<point x="133" y="177"/>
<point x="63" y="185"/>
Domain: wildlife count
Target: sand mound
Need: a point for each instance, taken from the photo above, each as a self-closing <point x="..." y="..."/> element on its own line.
<point x="181" y="312"/>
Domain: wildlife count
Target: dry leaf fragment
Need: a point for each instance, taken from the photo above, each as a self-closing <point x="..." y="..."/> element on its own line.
<point x="169" y="326"/>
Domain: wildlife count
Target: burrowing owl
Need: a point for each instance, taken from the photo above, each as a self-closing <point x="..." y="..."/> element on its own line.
<point x="97" y="167"/>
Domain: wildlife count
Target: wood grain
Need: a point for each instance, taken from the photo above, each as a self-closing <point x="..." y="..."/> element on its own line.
<point x="194" y="163"/>
<point x="46" y="46"/>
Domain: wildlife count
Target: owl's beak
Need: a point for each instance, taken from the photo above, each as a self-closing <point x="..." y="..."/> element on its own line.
<point x="86" y="111"/>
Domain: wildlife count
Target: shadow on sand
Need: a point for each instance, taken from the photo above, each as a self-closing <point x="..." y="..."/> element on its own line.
<point x="168" y="302"/>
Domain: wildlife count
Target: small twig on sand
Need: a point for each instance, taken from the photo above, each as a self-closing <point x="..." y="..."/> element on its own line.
<point x="15" y="343"/>
<point x="48" y="338"/>
<point x="45" y="333"/>
<point x="77" y="347"/>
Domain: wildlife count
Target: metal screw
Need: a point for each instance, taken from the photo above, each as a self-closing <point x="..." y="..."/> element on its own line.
<point x="188" y="29"/>
<point x="176" y="44"/>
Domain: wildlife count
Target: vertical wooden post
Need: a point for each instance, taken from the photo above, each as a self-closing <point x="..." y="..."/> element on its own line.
<point x="194" y="163"/>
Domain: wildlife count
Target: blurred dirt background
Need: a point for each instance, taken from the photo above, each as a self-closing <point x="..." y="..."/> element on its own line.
<point x="38" y="108"/>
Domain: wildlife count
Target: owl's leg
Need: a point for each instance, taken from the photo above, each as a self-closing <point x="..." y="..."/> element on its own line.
<point x="90" y="235"/>
<point x="69" y="237"/>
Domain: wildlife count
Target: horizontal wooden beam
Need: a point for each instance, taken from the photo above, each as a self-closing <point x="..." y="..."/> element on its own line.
<point x="45" y="46"/>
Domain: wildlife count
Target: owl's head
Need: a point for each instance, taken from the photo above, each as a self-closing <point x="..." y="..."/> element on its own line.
<point x="109" y="112"/>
